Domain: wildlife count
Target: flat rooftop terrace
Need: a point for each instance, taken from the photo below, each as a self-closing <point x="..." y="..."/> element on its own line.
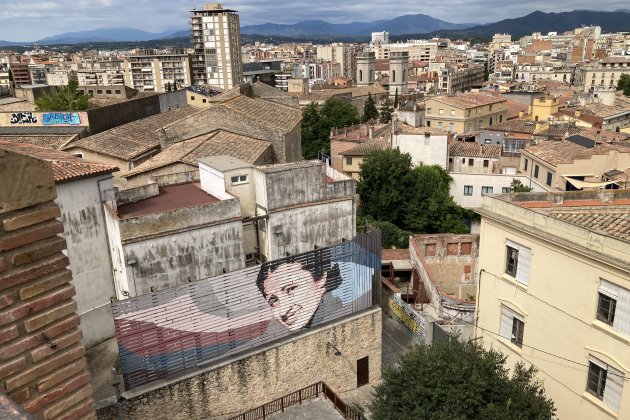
<point x="171" y="197"/>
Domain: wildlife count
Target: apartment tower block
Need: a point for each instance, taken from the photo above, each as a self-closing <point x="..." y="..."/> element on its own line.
<point x="216" y="39"/>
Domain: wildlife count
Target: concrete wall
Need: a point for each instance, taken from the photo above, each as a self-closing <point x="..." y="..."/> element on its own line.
<point x="172" y="100"/>
<point x="299" y="229"/>
<point x="176" y="259"/>
<point x="106" y="117"/>
<point x="432" y="150"/>
<point x="86" y="235"/>
<point x="477" y="181"/>
<point x="473" y="165"/>
<point x="265" y="374"/>
<point x="121" y="282"/>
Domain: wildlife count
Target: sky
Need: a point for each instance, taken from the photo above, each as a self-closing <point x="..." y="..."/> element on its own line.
<point x="30" y="20"/>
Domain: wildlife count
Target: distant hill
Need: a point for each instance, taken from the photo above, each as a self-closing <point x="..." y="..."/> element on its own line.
<point x="400" y="25"/>
<point x="4" y="43"/>
<point x="106" y="35"/>
<point x="617" y="21"/>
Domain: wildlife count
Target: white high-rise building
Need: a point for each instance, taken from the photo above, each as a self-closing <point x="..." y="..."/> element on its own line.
<point x="216" y="39"/>
<point x="379" y="38"/>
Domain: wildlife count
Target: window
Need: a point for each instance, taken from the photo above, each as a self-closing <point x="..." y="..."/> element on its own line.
<point x="451" y="127"/>
<point x="487" y="141"/>
<point x="512" y="326"/>
<point x="505" y="190"/>
<point x="613" y="306"/>
<point x="549" y="178"/>
<point x="490" y="121"/>
<point x="536" y="169"/>
<point x="99" y="91"/>
<point x="192" y="97"/>
<point x="605" y="383"/>
<point x="463" y="161"/>
<point x="238" y="179"/>
<point x="108" y="91"/>
<point x="500" y="118"/>
<point x="486" y="163"/>
<point x="517" y="262"/>
<point x="439" y="124"/>
<point x="117" y="91"/>
<point x="468" y="190"/>
<point x="452" y="113"/>
<point x="486" y="190"/>
<point x="440" y="111"/>
<point x="526" y="162"/>
<point x="204" y="101"/>
<point x="349" y="160"/>
<point x="428" y="110"/>
<point x="471" y="162"/>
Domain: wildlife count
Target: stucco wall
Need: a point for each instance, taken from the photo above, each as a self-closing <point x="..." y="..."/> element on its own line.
<point x="496" y="181"/>
<point x="299" y="229"/>
<point x="170" y="260"/>
<point x="263" y="375"/>
<point x="111" y="116"/>
<point x="429" y="151"/>
<point x="558" y="306"/>
<point x="86" y="235"/>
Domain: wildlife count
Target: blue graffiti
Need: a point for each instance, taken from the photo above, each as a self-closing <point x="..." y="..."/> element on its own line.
<point x="61" y="118"/>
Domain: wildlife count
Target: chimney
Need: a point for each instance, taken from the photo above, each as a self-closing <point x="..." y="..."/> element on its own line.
<point x="578" y="114"/>
<point x="521" y="114"/>
<point x="371" y="132"/>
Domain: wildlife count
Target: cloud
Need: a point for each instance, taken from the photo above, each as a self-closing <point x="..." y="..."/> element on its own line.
<point x="31" y="20"/>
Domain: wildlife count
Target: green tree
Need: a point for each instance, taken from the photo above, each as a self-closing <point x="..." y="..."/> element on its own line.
<point x="66" y="98"/>
<point x="459" y="380"/>
<point x="517" y="186"/>
<point x="318" y="120"/>
<point x="624" y="84"/>
<point x="385" y="179"/>
<point x="369" y="109"/>
<point x="415" y="199"/>
<point x="396" y="99"/>
<point x="391" y="235"/>
<point x="386" y="112"/>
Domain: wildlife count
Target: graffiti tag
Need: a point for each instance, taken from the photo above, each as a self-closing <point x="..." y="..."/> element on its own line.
<point x="61" y="118"/>
<point x="23" y="118"/>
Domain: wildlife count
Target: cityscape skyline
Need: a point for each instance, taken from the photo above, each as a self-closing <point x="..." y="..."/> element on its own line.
<point x="49" y="18"/>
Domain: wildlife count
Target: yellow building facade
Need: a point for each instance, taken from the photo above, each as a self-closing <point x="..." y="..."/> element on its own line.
<point x="465" y="112"/>
<point x="555" y="293"/>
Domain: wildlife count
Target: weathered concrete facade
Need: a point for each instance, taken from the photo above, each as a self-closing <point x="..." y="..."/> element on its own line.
<point x="307" y="204"/>
<point x="82" y="214"/>
<point x="155" y="245"/>
<point x="265" y="374"/>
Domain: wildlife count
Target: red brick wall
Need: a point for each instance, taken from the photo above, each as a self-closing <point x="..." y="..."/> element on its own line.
<point x="42" y="362"/>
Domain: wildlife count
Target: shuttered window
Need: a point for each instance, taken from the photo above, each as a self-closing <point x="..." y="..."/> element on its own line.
<point x="613" y="306"/>
<point x="518" y="261"/>
<point x="512" y="326"/>
<point x="605" y="382"/>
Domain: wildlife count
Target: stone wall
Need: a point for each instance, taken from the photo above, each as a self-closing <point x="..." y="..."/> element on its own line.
<point x="262" y="375"/>
<point x="42" y="361"/>
<point x="106" y="117"/>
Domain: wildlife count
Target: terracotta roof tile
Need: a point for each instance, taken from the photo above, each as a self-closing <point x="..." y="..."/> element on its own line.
<point x="473" y="149"/>
<point x="65" y="166"/>
<point x="214" y="144"/>
<point x="133" y="139"/>
<point x="612" y="223"/>
<point x="51" y="142"/>
<point x="366" y="148"/>
<point x="468" y="100"/>
<point x="556" y="152"/>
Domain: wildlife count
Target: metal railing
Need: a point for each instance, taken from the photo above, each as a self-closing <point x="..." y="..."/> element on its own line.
<point x="297" y="397"/>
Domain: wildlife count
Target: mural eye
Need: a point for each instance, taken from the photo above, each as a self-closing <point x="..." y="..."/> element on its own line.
<point x="273" y="301"/>
<point x="290" y="289"/>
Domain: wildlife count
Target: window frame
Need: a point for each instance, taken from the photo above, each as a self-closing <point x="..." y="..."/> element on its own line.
<point x="487" y="190"/>
<point x="514" y="269"/>
<point x="536" y="170"/>
<point x="348" y="160"/>
<point x="609" y="317"/>
<point x="518" y="331"/>
<point x="468" y="190"/>
<point x="549" y="178"/>
<point x="241" y="179"/>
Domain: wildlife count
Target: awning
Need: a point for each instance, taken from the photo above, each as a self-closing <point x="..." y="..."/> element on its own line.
<point x="585" y="184"/>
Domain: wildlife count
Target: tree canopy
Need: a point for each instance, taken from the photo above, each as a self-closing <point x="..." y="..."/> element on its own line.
<point x="458" y="380"/>
<point x="386" y="112"/>
<point x="416" y="199"/>
<point x="624" y="84"/>
<point x="369" y="110"/>
<point x="66" y="98"/>
<point x="517" y="186"/>
<point x="318" y="120"/>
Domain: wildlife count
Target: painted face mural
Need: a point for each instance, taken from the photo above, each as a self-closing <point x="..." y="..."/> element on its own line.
<point x="170" y="331"/>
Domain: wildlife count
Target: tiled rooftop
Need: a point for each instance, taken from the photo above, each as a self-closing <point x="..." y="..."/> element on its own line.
<point x="366" y="148"/>
<point x="468" y="100"/>
<point x="281" y="167"/>
<point x="65" y="166"/>
<point x="133" y="139"/>
<point x="218" y="143"/>
<point x="613" y="223"/>
<point x="515" y="126"/>
<point x="409" y="129"/>
<point x="556" y="152"/>
<point x="51" y="142"/>
<point x="473" y="149"/>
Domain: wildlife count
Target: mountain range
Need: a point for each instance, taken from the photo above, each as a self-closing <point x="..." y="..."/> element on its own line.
<point x="409" y="26"/>
<point x="406" y="24"/>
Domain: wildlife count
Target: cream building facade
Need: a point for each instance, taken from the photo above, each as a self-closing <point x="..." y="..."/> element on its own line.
<point x="554" y="292"/>
<point x="464" y="112"/>
<point x="148" y="71"/>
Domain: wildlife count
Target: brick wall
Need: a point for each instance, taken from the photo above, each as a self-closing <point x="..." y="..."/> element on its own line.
<point x="42" y="362"/>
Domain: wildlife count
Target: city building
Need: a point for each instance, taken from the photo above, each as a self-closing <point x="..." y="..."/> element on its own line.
<point x="149" y="71"/>
<point x="554" y="293"/>
<point x="216" y="40"/>
<point x="464" y="112"/>
<point x="605" y="73"/>
<point x="425" y="145"/>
